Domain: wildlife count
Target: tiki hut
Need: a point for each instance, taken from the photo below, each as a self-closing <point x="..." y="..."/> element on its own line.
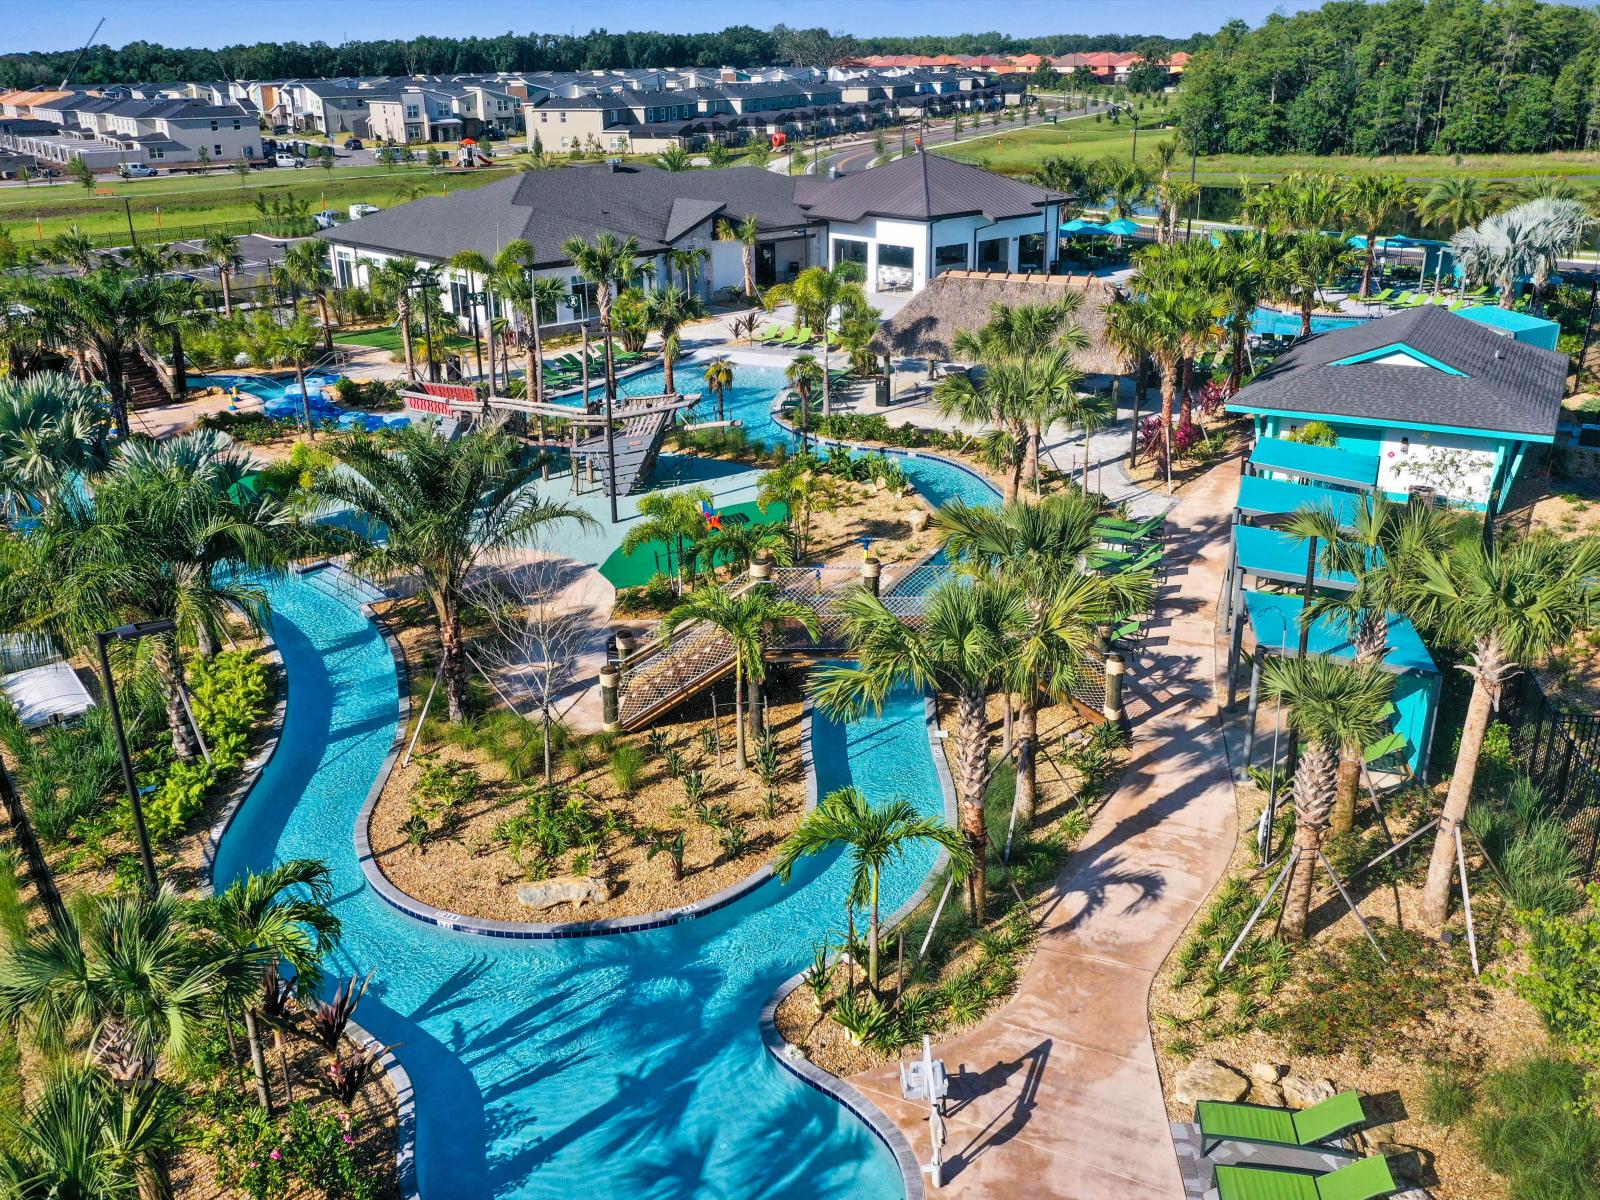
<point x="962" y="300"/>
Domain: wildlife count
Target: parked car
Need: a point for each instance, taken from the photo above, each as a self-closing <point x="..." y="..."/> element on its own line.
<point x="357" y="211"/>
<point x="352" y="143"/>
<point x="284" y="159"/>
<point x="326" y="219"/>
<point x="136" y="171"/>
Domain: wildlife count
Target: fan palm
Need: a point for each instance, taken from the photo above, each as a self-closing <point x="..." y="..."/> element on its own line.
<point x="1513" y="604"/>
<point x="1330" y="706"/>
<point x="221" y="250"/>
<point x="129" y="986"/>
<point x="747" y="620"/>
<point x="73" y="248"/>
<point x="746" y="231"/>
<point x="1310" y="262"/>
<point x="86" y="1138"/>
<point x="52" y="428"/>
<point x="281" y="914"/>
<point x="435" y="509"/>
<point x="737" y="546"/>
<point x="689" y="262"/>
<point x="719" y="378"/>
<point x="959" y="646"/>
<point x="305" y="269"/>
<point x="606" y="262"/>
<point x="393" y="280"/>
<point x="669" y="309"/>
<point x="876" y="836"/>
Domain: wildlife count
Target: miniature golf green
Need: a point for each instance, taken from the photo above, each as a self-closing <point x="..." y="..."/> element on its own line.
<point x="635" y="570"/>
<point x="388" y="338"/>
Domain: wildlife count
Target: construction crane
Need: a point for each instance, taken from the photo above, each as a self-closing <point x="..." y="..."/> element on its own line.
<point x="78" y="57"/>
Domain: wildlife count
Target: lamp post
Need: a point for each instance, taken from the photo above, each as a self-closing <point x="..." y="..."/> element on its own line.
<point x="425" y="281"/>
<point x="611" y="451"/>
<point x="474" y="299"/>
<point x="130" y="633"/>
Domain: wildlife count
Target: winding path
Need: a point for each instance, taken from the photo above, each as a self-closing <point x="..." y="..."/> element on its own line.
<point x="1058" y="1094"/>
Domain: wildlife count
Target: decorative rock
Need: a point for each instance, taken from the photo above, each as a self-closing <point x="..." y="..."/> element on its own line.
<point x="1301" y="1092"/>
<point x="919" y="519"/>
<point x="568" y="889"/>
<point x="1209" y="1079"/>
<point x="1265" y="1072"/>
<point x="1266" y="1093"/>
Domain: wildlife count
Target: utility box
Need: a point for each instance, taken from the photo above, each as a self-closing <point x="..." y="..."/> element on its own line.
<point x="880" y="391"/>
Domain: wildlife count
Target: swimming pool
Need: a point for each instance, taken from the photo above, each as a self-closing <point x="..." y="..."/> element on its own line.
<point x="281" y="399"/>
<point x="1272" y="322"/>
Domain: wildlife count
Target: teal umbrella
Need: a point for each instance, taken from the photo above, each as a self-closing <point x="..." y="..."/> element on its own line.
<point x="1121" y="227"/>
<point x="1079" y="225"/>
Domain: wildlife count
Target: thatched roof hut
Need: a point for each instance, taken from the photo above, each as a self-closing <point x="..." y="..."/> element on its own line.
<point x="961" y="300"/>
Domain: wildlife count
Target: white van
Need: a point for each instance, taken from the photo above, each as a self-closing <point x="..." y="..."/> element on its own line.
<point x="283" y="159"/>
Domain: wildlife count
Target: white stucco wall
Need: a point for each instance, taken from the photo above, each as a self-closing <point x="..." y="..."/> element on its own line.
<point x="1459" y="468"/>
<point x="924" y="238"/>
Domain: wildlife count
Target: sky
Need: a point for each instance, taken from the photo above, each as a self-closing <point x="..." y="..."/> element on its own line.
<point x="64" y="24"/>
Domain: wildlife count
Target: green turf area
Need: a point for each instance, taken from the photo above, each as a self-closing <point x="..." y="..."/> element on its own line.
<point x="388" y="338"/>
<point x="1016" y="150"/>
<point x="637" y="569"/>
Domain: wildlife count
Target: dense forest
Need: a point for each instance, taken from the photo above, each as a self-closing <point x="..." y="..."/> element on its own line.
<point x="1402" y="77"/>
<point x="738" y="45"/>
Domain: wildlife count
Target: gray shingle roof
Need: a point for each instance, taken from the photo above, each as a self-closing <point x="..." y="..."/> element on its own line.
<point x="548" y="207"/>
<point x="1506" y="386"/>
<point x="921" y="187"/>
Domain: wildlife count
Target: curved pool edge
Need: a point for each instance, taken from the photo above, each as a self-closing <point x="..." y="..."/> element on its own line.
<point x="253" y="766"/>
<point x="430" y="914"/>
<point x="793" y="1060"/>
<point x="405" y="1108"/>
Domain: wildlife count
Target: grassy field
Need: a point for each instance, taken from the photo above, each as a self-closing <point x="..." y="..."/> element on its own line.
<point x="388" y="338"/>
<point x="1018" y="152"/>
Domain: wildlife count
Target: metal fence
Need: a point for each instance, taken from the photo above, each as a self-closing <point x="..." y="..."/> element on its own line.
<point x="267" y="227"/>
<point x="1560" y="751"/>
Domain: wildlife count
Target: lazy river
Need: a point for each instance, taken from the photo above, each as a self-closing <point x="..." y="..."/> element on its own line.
<point x="618" y="1066"/>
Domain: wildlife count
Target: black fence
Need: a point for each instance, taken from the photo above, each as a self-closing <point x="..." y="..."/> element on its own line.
<point x="267" y="226"/>
<point x="1560" y="751"/>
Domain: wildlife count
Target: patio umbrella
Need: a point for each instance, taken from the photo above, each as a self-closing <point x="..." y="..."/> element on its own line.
<point x="1121" y="227"/>
<point x="1079" y="225"/>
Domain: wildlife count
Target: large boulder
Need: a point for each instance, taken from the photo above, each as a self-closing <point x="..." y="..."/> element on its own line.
<point x="567" y="889"/>
<point x="1265" y="1072"/>
<point x="1301" y="1092"/>
<point x="1209" y="1079"/>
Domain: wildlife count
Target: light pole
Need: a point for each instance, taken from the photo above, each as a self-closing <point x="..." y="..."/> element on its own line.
<point x="130" y="633"/>
<point x="426" y="281"/>
<point x="611" y="452"/>
<point x="1270" y="814"/>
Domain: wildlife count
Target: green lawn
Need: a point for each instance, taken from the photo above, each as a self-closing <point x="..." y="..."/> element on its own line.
<point x="388" y="338"/>
<point x="635" y="570"/>
<point x="1016" y="150"/>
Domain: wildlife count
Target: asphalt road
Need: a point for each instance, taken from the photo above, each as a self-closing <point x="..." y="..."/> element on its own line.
<point x="859" y="156"/>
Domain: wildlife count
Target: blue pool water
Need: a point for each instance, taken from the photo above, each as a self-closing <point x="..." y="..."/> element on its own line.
<point x="280" y="398"/>
<point x="625" y="1066"/>
<point x="1271" y="322"/>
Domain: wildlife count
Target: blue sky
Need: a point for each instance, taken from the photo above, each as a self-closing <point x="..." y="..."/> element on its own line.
<point x="65" y="23"/>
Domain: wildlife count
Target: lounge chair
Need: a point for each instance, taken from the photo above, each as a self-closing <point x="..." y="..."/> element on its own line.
<point x="1403" y="298"/>
<point x="1366" y="1179"/>
<point x="1384" y="748"/>
<point x="1221" y="1121"/>
<point x="802" y="336"/>
<point x="768" y="333"/>
<point x="1380" y="297"/>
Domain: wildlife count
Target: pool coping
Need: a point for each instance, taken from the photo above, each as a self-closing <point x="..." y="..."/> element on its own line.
<point x="429" y="914"/>
<point x="793" y="1060"/>
<point x="399" y="1079"/>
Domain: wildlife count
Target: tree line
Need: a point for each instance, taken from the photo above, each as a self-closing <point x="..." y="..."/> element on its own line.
<point x="738" y="45"/>
<point x="1400" y="77"/>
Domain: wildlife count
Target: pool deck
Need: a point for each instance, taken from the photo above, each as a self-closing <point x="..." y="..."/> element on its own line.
<point x="1058" y="1094"/>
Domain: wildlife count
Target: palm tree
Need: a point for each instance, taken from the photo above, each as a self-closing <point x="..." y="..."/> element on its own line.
<point x="1381" y="546"/>
<point x="737" y="546"/>
<point x="719" y="378"/>
<point x="437" y="509"/>
<point x="674" y="158"/>
<point x="282" y="914"/>
<point x="669" y="309"/>
<point x="605" y="262"/>
<point x="221" y="250"/>
<point x="818" y="295"/>
<point x="529" y="295"/>
<point x="1309" y="263"/>
<point x="1372" y="202"/>
<point x="1513" y="604"/>
<point x="1036" y="547"/>
<point x="688" y="261"/>
<point x="676" y="518"/>
<point x="87" y="1138"/>
<point x="745" y="232"/>
<point x="305" y="268"/>
<point x="393" y="281"/>
<point x="1456" y="201"/>
<point x="129" y="986"/>
<point x="73" y="248"/>
<point x="477" y="266"/>
<point x="1164" y="324"/>
<point x="52" y="429"/>
<point x="104" y="316"/>
<point x="876" y="836"/>
<point x="297" y="346"/>
<point x="1525" y="242"/>
<point x="804" y="376"/>
<point x="959" y="647"/>
<point x="1245" y="273"/>
<point x="748" y="620"/>
<point x="1329" y="706"/>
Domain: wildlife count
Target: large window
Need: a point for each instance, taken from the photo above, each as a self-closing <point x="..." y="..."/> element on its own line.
<point x="1030" y="252"/>
<point x="849" y="250"/>
<point x="896" y="268"/>
<point x="950" y="258"/>
<point x="992" y="255"/>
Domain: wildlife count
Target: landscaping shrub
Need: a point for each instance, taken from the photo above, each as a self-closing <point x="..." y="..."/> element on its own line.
<point x="250" y="428"/>
<point x="374" y="395"/>
<point x="1537" y="1129"/>
<point x="229" y="692"/>
<point x="13" y="910"/>
<point x="552" y="822"/>
<point x="1447" y="1096"/>
<point x="66" y="775"/>
<point x="442" y="789"/>
<point x="627" y="768"/>
<point x="1562" y="981"/>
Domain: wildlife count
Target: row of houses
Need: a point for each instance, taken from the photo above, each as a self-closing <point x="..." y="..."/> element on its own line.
<point x="108" y="131"/>
<point x="905" y="223"/>
<point x="1103" y="66"/>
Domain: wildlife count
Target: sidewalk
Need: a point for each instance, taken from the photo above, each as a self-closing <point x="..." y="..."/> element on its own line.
<point x="1057" y="1094"/>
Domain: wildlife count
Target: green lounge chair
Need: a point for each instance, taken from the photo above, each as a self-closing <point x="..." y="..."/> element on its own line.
<point x="1382" y="749"/>
<point x="1221" y="1121"/>
<point x="1127" y="630"/>
<point x="1380" y="297"/>
<point x="1366" y="1179"/>
<point x="802" y="337"/>
<point x="1402" y="299"/>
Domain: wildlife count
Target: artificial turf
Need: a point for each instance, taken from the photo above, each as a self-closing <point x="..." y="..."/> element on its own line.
<point x="635" y="570"/>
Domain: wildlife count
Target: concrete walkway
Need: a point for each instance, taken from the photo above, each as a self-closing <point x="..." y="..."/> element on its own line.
<point x="1057" y="1094"/>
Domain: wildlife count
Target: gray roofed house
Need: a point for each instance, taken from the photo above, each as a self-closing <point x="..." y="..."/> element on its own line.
<point x="922" y="187"/>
